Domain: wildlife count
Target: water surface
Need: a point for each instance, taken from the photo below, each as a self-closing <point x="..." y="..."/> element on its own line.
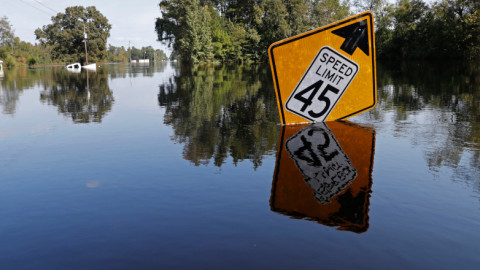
<point x="167" y="167"/>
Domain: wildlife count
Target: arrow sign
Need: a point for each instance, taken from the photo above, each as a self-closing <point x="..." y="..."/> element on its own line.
<point x="321" y="76"/>
<point x="355" y="35"/>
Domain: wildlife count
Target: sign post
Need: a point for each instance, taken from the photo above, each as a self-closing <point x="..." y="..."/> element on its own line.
<point x="326" y="74"/>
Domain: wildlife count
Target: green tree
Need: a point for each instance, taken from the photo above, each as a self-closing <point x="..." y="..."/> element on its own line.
<point x="408" y="16"/>
<point x="186" y="25"/>
<point x="239" y="30"/>
<point x="245" y="12"/>
<point x="221" y="39"/>
<point x="274" y="25"/>
<point x="148" y="53"/>
<point x="457" y="22"/>
<point x="324" y="12"/>
<point x="6" y="32"/>
<point x="297" y="16"/>
<point x="160" y="55"/>
<point x="136" y="54"/>
<point x="117" y="54"/>
<point x="65" y="34"/>
<point x="374" y="6"/>
<point x="378" y="7"/>
<point x="198" y="42"/>
<point x="445" y="29"/>
<point x="144" y="53"/>
<point x="384" y="22"/>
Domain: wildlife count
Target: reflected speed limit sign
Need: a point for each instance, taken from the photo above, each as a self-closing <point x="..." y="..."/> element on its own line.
<point x="326" y="74"/>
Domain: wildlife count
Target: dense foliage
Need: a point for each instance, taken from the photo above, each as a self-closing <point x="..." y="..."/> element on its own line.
<point x="65" y="35"/>
<point x="242" y="30"/>
<point x="14" y="52"/>
<point x="205" y="30"/>
<point x="444" y="29"/>
<point x="6" y="32"/>
<point x="239" y="30"/>
<point x="120" y="54"/>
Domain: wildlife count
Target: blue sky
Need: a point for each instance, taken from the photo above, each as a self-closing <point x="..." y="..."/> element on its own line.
<point x="132" y="20"/>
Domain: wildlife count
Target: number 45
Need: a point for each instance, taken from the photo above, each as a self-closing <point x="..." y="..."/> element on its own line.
<point x="322" y="97"/>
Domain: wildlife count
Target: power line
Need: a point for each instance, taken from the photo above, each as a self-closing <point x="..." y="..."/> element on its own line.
<point x="48" y="13"/>
<point x="45" y="6"/>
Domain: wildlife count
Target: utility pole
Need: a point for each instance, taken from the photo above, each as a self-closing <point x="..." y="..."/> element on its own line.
<point x="130" y="51"/>
<point x="85" y="40"/>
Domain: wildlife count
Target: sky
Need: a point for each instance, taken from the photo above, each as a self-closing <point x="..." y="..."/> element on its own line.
<point x="131" y="20"/>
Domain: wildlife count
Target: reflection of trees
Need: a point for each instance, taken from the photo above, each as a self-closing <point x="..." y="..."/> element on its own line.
<point x="8" y="100"/>
<point x="85" y="97"/>
<point x="437" y="105"/>
<point x="134" y="70"/>
<point x="217" y="111"/>
<point x="59" y="84"/>
<point x="13" y="83"/>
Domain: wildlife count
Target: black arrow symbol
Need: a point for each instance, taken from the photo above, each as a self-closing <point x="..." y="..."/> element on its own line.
<point x="355" y="35"/>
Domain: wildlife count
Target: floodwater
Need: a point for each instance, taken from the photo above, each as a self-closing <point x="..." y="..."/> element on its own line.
<point x="170" y="167"/>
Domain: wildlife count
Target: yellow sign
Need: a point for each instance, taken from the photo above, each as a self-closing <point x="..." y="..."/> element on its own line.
<point x="326" y="74"/>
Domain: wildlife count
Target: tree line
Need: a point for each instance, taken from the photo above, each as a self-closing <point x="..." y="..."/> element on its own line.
<point x="62" y="41"/>
<point x="242" y="30"/>
<point x="13" y="51"/>
<point x="205" y="30"/>
<point x="122" y="54"/>
<point x="445" y="29"/>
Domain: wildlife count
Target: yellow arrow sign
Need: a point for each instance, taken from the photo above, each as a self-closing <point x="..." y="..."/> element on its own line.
<point x="326" y="74"/>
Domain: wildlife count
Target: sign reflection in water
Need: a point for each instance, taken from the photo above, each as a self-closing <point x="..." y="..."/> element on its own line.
<point x="324" y="173"/>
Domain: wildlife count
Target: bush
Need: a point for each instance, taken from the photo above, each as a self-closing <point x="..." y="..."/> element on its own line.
<point x="10" y="62"/>
<point x="31" y="61"/>
<point x="3" y="53"/>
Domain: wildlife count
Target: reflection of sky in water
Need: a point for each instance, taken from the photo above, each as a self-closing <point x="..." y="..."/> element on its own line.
<point x="125" y="192"/>
<point x="448" y="145"/>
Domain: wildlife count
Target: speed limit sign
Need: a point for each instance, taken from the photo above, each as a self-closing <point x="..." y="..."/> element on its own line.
<point x="327" y="73"/>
